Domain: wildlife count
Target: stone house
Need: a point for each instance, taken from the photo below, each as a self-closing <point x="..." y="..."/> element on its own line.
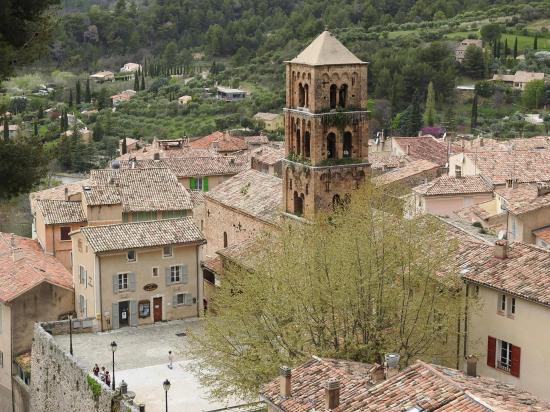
<point x="134" y="274"/>
<point x="542" y="237"/>
<point x="103" y="76"/>
<point x="240" y="208"/>
<point x="124" y="96"/>
<point x="229" y="95"/>
<point x="268" y="159"/>
<point x="505" y="327"/>
<point x="445" y="195"/>
<point x="422" y="148"/>
<point x="220" y="142"/>
<point x="412" y="174"/>
<point x="460" y="50"/>
<point x="130" y="67"/>
<point x="184" y="100"/>
<point x="270" y="121"/>
<point x="519" y="79"/>
<point x="33" y="287"/>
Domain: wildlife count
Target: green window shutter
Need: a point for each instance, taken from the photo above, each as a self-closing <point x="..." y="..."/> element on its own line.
<point x="114" y="317"/>
<point x="205" y="184"/>
<point x="192" y="183"/>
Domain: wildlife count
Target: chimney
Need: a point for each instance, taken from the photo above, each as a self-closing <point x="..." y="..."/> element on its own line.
<point x="391" y="363"/>
<point x="511" y="183"/>
<point x="285" y="375"/>
<point x="332" y="394"/>
<point x="501" y="249"/>
<point x="408" y="151"/>
<point x="66" y="194"/>
<point x="156" y="156"/>
<point x="471" y="366"/>
<point x="543" y="189"/>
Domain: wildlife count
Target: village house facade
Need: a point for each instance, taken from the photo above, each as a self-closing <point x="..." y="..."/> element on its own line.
<point x="270" y="121"/>
<point x="460" y="50"/>
<point x="34" y="287"/>
<point x="519" y="79"/>
<point x="138" y="273"/>
<point x="268" y="159"/>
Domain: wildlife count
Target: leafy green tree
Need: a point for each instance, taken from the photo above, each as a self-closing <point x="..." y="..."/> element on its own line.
<point x="429" y="113"/>
<point x="87" y="92"/>
<point x="533" y="95"/>
<point x="77" y="97"/>
<point x="214" y="40"/>
<point x="98" y="131"/>
<point x="370" y="283"/>
<point x="473" y="120"/>
<point x="485" y="88"/>
<point x="490" y="33"/>
<point x="240" y="57"/>
<point x="473" y="61"/>
<point x="383" y="84"/>
<point x="170" y="54"/>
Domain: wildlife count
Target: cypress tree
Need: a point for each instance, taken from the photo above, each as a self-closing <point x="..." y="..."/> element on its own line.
<point x="142" y="87"/>
<point x="77" y="92"/>
<point x="144" y="66"/>
<point x="124" y="149"/>
<point x="536" y="42"/>
<point x="87" y="92"/>
<point x="429" y="113"/>
<point x="6" y="129"/>
<point x="40" y="114"/>
<point x="498" y="48"/>
<point x="35" y="128"/>
<point x="62" y="121"/>
<point x="136" y="82"/>
<point x="415" y="120"/>
<point x="506" y="47"/>
<point x="473" y="123"/>
<point x="70" y="97"/>
<point x="516" y="47"/>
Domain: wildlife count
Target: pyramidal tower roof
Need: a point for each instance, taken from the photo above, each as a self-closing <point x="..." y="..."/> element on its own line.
<point x="326" y="50"/>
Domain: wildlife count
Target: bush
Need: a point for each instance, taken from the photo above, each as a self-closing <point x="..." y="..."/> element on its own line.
<point x="485" y="88"/>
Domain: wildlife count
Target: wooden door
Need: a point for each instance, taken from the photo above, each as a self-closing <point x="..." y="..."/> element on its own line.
<point x="157" y="309"/>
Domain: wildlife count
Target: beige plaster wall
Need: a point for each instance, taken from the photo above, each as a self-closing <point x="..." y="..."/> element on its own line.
<point x="446" y="205"/>
<point x="5" y="347"/>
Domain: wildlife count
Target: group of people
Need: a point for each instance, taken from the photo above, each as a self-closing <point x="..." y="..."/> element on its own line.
<point x="102" y="374"/>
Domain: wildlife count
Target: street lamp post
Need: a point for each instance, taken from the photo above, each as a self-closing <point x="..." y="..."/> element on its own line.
<point x="71" y="334"/>
<point x="166" y="386"/>
<point x="113" y="349"/>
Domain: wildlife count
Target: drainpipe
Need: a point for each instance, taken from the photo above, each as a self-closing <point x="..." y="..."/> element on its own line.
<point x="198" y="279"/>
<point x="466" y="321"/>
<point x="11" y="359"/>
<point x="100" y="297"/>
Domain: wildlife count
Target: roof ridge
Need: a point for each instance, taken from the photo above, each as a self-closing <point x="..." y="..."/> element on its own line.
<point x="135" y="223"/>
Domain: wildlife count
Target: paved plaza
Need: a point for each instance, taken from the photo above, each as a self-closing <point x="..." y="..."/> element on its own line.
<point x="141" y="360"/>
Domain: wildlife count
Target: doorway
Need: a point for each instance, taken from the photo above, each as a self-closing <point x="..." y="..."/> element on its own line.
<point x="123" y="313"/>
<point x="157" y="309"/>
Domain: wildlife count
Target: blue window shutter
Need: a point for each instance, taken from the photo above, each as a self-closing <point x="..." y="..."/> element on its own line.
<point x="132" y="282"/>
<point x="133" y="313"/>
<point x="183" y="274"/>
<point x="114" y="317"/>
<point x="167" y="276"/>
<point x="115" y="283"/>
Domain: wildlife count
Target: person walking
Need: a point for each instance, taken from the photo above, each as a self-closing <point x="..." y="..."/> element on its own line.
<point x="102" y="374"/>
<point x="170" y="359"/>
<point x="107" y="379"/>
<point x="96" y="370"/>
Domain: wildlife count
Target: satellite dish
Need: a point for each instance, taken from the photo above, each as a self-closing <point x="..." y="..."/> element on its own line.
<point x="501" y="235"/>
<point x="115" y="164"/>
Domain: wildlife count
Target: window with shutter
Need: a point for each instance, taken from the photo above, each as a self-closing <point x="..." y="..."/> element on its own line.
<point x="491" y="351"/>
<point x="515" y="361"/>
<point x="115" y="283"/>
<point x="205" y="184"/>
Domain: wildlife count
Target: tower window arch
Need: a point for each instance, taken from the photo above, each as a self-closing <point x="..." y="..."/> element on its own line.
<point x="307" y="145"/>
<point x="225" y="243"/>
<point x="331" y="146"/>
<point x="301" y="95"/>
<point x="333" y="92"/>
<point x="298" y="204"/>
<point x="298" y="142"/>
<point x="347" y="145"/>
<point x="343" y="95"/>
<point x="336" y="202"/>
<point x="306" y="95"/>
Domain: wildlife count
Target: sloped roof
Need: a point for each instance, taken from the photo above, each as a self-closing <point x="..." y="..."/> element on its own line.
<point x="138" y="190"/>
<point x="543" y="233"/>
<point x="57" y="192"/>
<point x="523" y="199"/>
<point x="251" y="192"/>
<point x="269" y="155"/>
<point x="424" y="148"/>
<point x="427" y="386"/>
<point x="448" y="185"/>
<point x="60" y="211"/>
<point x="326" y="50"/>
<point x="220" y="141"/>
<point x="412" y="169"/>
<point x="142" y="234"/>
<point x="28" y="268"/>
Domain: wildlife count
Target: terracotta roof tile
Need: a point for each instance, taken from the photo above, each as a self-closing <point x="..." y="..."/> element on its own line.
<point x="57" y="192"/>
<point x="543" y="233"/>
<point x="138" y="190"/>
<point x="268" y="155"/>
<point x="447" y="185"/>
<point x="142" y="234"/>
<point x="219" y="141"/>
<point x="412" y="169"/>
<point x="423" y="148"/>
<point x="252" y="192"/>
<point x="214" y="265"/>
<point x="60" y="211"/>
<point x="524" y="199"/>
<point x="23" y="266"/>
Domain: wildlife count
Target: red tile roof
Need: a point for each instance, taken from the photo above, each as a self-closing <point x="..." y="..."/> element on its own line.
<point x="23" y="266"/>
<point x="543" y="233"/>
<point x="414" y="168"/>
<point x="222" y="142"/>
<point x="448" y="185"/>
<point x="524" y="199"/>
<point x="423" y="148"/>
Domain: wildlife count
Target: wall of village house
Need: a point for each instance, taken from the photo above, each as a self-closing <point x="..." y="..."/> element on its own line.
<point x="44" y="238"/>
<point x="526" y="223"/>
<point x="58" y="383"/>
<point x="84" y="256"/>
<point x="5" y="348"/>
<point x="104" y="215"/>
<point x="526" y="330"/>
<point x="238" y="226"/>
<point x="446" y="205"/>
<point x="468" y="167"/>
<point x="42" y="303"/>
<point x="112" y="264"/>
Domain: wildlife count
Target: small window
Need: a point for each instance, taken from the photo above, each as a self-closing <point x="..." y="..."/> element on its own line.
<point x="458" y="171"/>
<point x="82" y="274"/>
<point x="504" y="355"/>
<point x="144" y="308"/>
<point x="80" y="245"/>
<point x="511" y="306"/>
<point x="155" y="271"/>
<point x="167" y="251"/>
<point x="175" y="274"/>
<point x="65" y="230"/>
<point x="502" y="303"/>
<point x="123" y="281"/>
<point x="225" y="242"/>
<point x="131" y="256"/>
<point x="180" y="298"/>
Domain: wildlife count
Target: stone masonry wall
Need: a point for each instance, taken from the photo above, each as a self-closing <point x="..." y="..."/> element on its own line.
<point x="59" y="383"/>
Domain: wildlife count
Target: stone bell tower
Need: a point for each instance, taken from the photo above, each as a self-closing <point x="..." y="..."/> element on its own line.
<point x="326" y="127"/>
